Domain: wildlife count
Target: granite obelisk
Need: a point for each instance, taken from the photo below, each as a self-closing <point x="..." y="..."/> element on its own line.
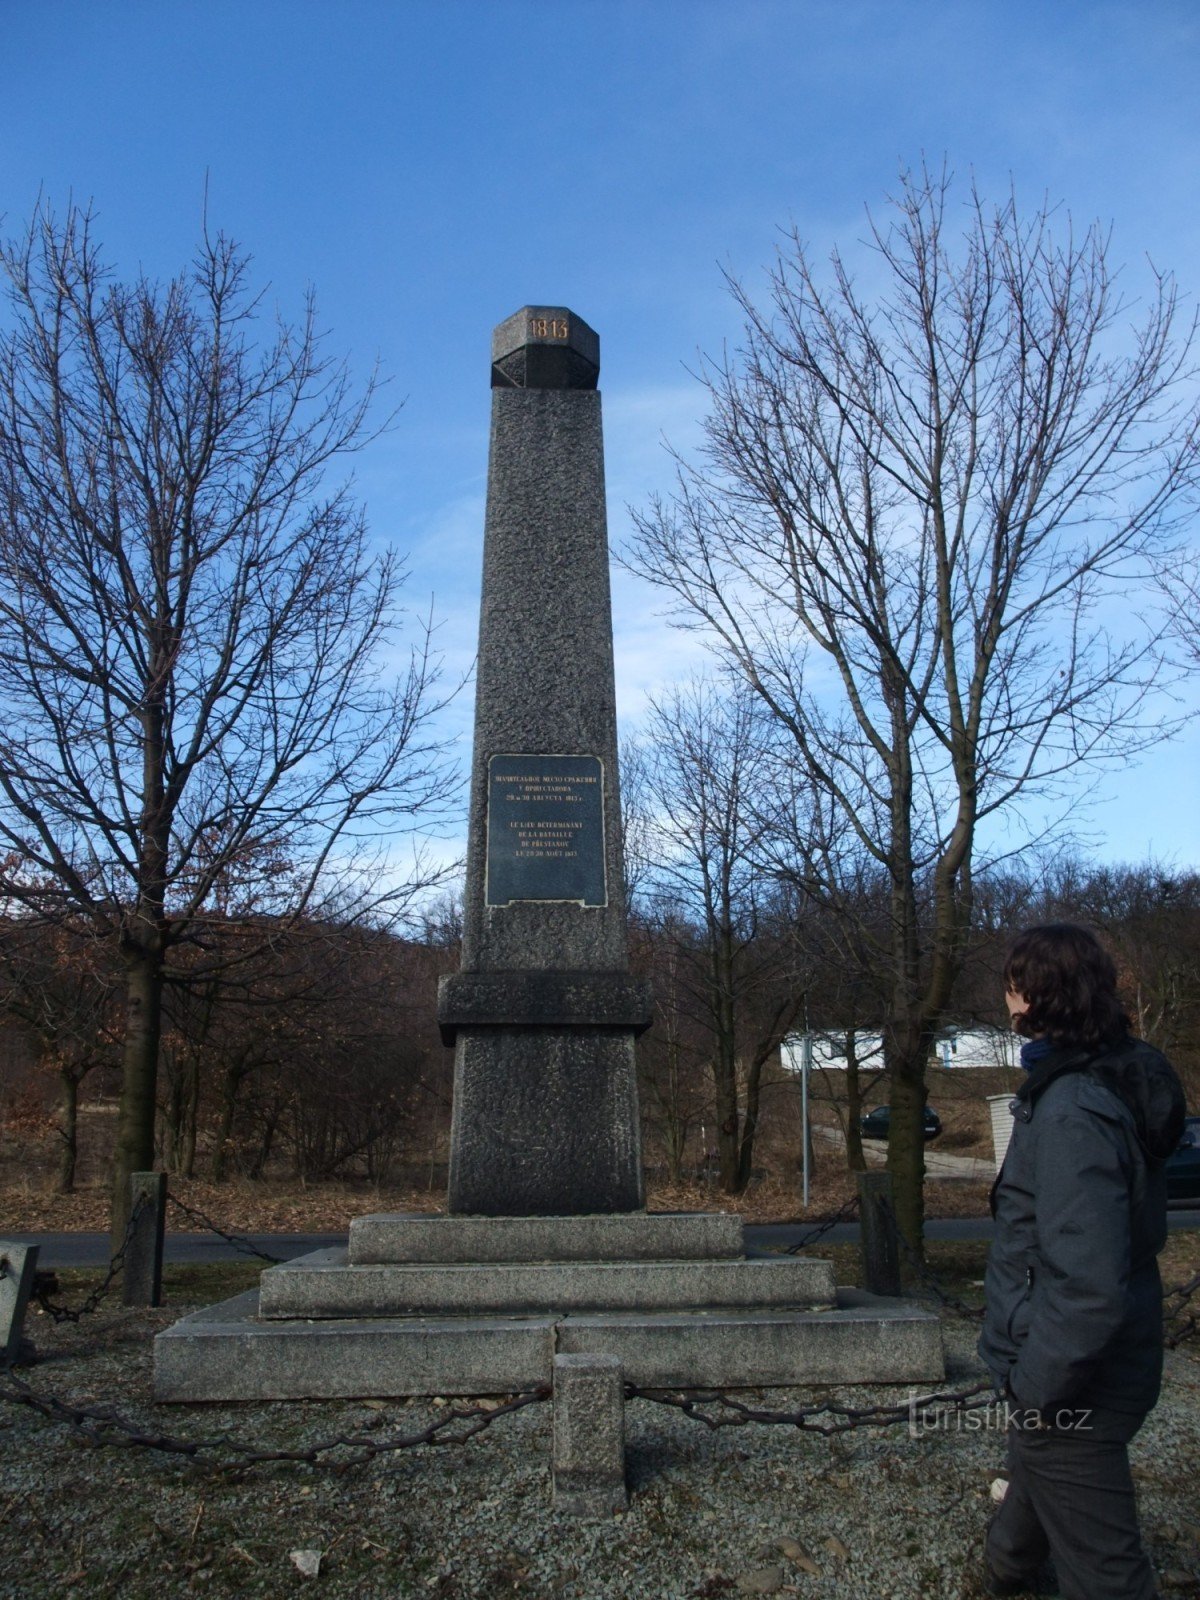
<point x="543" y="1013"/>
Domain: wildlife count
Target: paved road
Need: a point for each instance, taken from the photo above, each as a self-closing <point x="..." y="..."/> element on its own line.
<point x="938" y="1164"/>
<point x="91" y="1249"/>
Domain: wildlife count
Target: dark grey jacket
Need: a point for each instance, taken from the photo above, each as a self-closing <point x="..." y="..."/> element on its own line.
<point x="1074" y="1299"/>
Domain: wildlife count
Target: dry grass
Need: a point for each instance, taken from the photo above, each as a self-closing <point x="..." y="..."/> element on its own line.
<point x="281" y="1205"/>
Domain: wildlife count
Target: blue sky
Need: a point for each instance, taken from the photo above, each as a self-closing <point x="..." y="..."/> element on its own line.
<point x="432" y="165"/>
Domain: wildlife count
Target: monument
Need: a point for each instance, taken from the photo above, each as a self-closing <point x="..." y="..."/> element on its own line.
<point x="547" y="1261"/>
<point x="544" y="1013"/>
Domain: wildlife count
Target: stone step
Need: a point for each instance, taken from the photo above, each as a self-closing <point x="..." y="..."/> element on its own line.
<point x="618" y="1236"/>
<point x="228" y="1353"/>
<point x="324" y="1284"/>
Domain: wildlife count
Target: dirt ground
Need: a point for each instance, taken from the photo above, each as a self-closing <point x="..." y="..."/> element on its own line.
<point x="283" y="1207"/>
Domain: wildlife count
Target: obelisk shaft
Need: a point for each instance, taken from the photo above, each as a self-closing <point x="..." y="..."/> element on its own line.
<point x="544" y="1013"/>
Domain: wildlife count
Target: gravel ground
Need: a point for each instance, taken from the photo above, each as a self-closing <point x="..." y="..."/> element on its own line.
<point x="880" y="1514"/>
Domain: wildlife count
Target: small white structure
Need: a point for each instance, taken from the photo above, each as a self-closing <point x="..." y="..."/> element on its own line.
<point x="999" y="1108"/>
<point x="829" y="1050"/>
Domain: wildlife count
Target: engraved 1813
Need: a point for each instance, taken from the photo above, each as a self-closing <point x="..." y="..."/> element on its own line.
<point x="549" y="327"/>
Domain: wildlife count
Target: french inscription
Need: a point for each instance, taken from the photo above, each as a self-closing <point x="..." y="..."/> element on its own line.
<point x="545" y="829"/>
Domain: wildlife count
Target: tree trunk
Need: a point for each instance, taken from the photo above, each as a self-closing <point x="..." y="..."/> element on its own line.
<point x="675" y="1130"/>
<point x="69" y="1130"/>
<point x="267" y="1138"/>
<point x="749" y="1124"/>
<point x="725" y="1079"/>
<point x="172" y="1122"/>
<point x="906" y="1143"/>
<point x="186" y="1155"/>
<point x="725" y="1055"/>
<point x="856" y="1159"/>
<point x="230" y="1084"/>
<point x="135" y="1118"/>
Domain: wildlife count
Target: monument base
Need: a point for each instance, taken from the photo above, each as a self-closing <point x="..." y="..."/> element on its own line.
<point x="493" y="1302"/>
<point x="545" y="1122"/>
<point x="230" y="1353"/>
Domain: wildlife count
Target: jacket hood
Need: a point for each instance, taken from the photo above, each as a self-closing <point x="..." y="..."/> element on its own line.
<point x="1140" y="1076"/>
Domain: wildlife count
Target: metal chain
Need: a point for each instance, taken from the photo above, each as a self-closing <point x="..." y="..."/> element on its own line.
<point x="60" y="1313"/>
<point x="1178" y="1326"/>
<point x="238" y="1240"/>
<point x="731" y="1413"/>
<point x="924" y="1272"/>
<point x="843" y="1214"/>
<point x="104" y="1426"/>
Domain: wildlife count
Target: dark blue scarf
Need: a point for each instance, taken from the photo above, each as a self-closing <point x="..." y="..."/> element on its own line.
<point x="1033" y="1051"/>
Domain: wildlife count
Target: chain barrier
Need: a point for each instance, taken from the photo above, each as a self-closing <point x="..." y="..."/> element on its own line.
<point x="926" y="1275"/>
<point x="45" y="1282"/>
<point x="843" y="1214"/>
<point x="920" y="1267"/>
<point x="731" y="1413"/>
<point x="1180" y="1322"/>
<point x="104" y="1426"/>
<point x="239" y="1241"/>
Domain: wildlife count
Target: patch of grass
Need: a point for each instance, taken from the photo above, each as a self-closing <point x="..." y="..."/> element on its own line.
<point x="958" y="1265"/>
<point x="182" y="1284"/>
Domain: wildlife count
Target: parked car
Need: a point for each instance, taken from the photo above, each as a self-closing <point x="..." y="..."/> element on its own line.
<point x="875" y="1124"/>
<point x="1183" y="1164"/>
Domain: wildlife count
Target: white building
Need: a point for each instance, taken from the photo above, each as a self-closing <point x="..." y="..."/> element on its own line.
<point x="984" y="1048"/>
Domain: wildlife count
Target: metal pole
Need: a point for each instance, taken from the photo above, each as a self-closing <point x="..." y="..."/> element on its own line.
<point x="805" y="1064"/>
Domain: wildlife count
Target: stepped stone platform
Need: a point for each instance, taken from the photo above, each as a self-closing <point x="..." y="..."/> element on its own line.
<point x="614" y="1236"/>
<point x="324" y="1284"/>
<point x="468" y="1305"/>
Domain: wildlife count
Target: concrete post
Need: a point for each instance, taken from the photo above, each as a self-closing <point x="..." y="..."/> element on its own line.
<point x="880" y="1246"/>
<point x="141" y="1277"/>
<point x="1000" y="1113"/>
<point x="589" y="1435"/>
<point x="18" y="1262"/>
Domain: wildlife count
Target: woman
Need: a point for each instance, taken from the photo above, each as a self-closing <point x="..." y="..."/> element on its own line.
<point x="1073" y="1327"/>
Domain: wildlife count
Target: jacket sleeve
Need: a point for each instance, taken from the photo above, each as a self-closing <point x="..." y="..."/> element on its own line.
<point x="1080" y="1277"/>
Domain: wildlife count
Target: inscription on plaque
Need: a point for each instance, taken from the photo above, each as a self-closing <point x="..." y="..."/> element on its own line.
<point x="545" y="829"/>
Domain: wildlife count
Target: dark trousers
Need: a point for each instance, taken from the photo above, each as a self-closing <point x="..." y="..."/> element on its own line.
<point x="1070" y="1496"/>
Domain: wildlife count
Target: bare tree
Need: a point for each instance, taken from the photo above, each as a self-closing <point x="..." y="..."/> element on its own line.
<point x="56" y="983"/>
<point x="900" y="531"/>
<point x="191" y="622"/>
<point x="702" y="771"/>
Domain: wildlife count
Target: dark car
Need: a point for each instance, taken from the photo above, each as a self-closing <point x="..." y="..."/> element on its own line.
<point x="875" y="1124"/>
<point x="1183" y="1165"/>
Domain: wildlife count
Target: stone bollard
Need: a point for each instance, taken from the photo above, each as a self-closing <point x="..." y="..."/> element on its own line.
<point x="880" y="1246"/>
<point x="141" y="1276"/>
<point x="18" y="1262"/>
<point x="589" y="1436"/>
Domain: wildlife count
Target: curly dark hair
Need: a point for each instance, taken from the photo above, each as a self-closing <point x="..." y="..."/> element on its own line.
<point x="1069" y="984"/>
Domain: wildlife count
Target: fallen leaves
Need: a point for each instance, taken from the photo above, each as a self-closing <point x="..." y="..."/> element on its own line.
<point x="799" y="1556"/>
<point x="761" y="1580"/>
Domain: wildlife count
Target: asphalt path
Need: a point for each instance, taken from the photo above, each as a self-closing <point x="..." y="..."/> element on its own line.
<point x="91" y="1249"/>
